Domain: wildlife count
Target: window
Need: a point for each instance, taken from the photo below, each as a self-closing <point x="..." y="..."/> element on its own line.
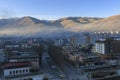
<point x="13" y="72"/>
<point x="26" y="70"/>
<point x="19" y="71"/>
<point x="16" y="71"/>
<point x="10" y="72"/>
<point x="23" y="71"/>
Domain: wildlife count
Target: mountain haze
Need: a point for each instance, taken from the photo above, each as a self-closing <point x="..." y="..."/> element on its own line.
<point x="108" y="24"/>
<point x="31" y="25"/>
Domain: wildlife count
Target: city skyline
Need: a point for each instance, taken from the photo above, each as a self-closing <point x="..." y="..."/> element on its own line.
<point x="54" y="9"/>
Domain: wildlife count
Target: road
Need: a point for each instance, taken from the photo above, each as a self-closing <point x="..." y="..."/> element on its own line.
<point x="69" y="70"/>
<point x="72" y="73"/>
<point x="45" y="68"/>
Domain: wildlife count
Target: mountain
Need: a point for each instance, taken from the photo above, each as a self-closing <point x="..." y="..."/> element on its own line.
<point x="68" y="22"/>
<point x="108" y="24"/>
<point x="22" y="22"/>
<point x="30" y="25"/>
<point x="31" y="21"/>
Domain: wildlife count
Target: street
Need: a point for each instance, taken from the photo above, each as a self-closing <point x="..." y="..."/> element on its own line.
<point x="70" y="71"/>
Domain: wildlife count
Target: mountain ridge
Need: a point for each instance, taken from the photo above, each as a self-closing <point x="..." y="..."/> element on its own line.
<point x="28" y="24"/>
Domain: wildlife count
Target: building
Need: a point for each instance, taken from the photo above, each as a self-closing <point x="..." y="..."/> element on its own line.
<point x="105" y="75"/>
<point x="36" y="76"/>
<point x="75" y="55"/>
<point x="33" y="58"/>
<point x="89" y="58"/>
<point x="21" y="63"/>
<point x="108" y="47"/>
<point x="16" y="68"/>
<point x="32" y="55"/>
<point x="88" y="38"/>
<point x="100" y="47"/>
<point x="73" y="40"/>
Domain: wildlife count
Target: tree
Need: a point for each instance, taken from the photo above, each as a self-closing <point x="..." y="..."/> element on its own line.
<point x="45" y="78"/>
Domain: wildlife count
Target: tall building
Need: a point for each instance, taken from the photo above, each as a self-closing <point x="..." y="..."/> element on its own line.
<point x="88" y="38"/>
<point x="73" y="40"/>
<point x="108" y="47"/>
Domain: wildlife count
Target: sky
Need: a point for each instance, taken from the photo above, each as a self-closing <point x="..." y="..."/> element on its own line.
<point x="55" y="9"/>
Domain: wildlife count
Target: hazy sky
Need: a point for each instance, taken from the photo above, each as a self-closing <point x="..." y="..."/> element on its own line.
<point x="54" y="9"/>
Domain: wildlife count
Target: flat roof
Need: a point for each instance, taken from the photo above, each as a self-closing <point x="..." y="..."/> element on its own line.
<point x="24" y="56"/>
<point x="11" y="65"/>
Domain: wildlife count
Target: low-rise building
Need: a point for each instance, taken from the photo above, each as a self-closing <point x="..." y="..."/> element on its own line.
<point x="34" y="59"/>
<point x="105" y="75"/>
<point x="16" y="68"/>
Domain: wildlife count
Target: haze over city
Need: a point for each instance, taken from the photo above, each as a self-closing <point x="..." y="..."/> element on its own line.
<point x="59" y="39"/>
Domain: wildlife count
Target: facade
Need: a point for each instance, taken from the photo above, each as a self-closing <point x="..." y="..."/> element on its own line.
<point x="100" y="47"/>
<point x="22" y="54"/>
<point x="73" y="40"/>
<point x="12" y="69"/>
<point x="83" y="59"/>
<point x="88" y="38"/>
<point x="90" y="60"/>
<point x="107" y="46"/>
<point x="105" y="75"/>
<point x="32" y="58"/>
<point x="21" y="59"/>
<point x="36" y="76"/>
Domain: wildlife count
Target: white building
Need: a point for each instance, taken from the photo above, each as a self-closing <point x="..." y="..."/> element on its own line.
<point x="12" y="69"/>
<point x="108" y="46"/>
<point x="36" y="76"/>
<point x="100" y="47"/>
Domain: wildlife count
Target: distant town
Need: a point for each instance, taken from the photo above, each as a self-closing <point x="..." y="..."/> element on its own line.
<point x="79" y="56"/>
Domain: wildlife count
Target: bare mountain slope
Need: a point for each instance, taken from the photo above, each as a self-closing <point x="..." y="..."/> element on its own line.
<point x="108" y="24"/>
<point x="31" y="25"/>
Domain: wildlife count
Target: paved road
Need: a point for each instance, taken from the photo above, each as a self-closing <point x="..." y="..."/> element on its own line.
<point x="70" y="71"/>
<point x="45" y="68"/>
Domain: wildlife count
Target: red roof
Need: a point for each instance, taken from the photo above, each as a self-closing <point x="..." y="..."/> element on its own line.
<point x="16" y="64"/>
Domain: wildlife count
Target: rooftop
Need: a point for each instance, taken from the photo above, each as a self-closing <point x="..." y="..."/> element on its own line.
<point x="24" y="56"/>
<point x="10" y="65"/>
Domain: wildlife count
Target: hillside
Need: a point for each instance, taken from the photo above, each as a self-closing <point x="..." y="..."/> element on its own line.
<point x="30" y="25"/>
<point x="108" y="24"/>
